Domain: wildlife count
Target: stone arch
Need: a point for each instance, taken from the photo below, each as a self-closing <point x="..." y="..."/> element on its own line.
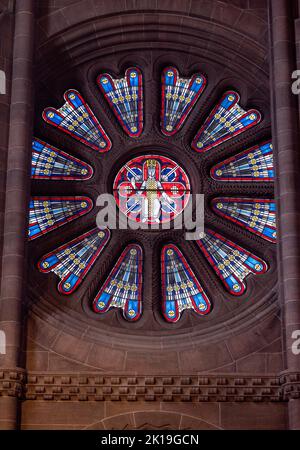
<point x="153" y="420"/>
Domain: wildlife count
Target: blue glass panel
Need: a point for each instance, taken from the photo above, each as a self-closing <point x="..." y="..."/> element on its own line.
<point x="180" y="288"/>
<point x="72" y="261"/>
<point x="123" y="287"/>
<point x="227" y="120"/>
<point x="49" y="163"/>
<point x="125" y="97"/>
<point x="231" y="262"/>
<point x="49" y="213"/>
<point x="254" y="164"/>
<point x="256" y="215"/>
<point x="77" y="119"/>
<point x="179" y="96"/>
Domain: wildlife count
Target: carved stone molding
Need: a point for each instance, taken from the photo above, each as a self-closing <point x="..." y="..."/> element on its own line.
<point x="12" y="382"/>
<point x="194" y="388"/>
<point x="291" y="386"/>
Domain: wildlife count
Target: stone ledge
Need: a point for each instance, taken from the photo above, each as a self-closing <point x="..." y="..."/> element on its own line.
<point x="209" y="388"/>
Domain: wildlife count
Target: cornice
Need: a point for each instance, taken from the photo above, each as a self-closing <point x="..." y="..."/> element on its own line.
<point x="91" y="387"/>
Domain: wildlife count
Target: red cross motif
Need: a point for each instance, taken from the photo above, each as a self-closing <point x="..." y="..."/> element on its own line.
<point x="151" y="189"/>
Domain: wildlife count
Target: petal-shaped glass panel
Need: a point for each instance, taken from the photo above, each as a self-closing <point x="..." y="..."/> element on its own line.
<point x="72" y="261"/>
<point x="256" y="215"/>
<point x="230" y="262"/>
<point x="123" y="287"/>
<point x="125" y="97"/>
<point x="77" y="119"/>
<point x="227" y="120"/>
<point x="180" y="288"/>
<point x="253" y="164"/>
<point x="49" y="213"/>
<point x="179" y="96"/>
<point x="49" y="163"/>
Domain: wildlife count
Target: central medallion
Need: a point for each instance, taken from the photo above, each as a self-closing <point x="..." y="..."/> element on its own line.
<point x="151" y="189"/>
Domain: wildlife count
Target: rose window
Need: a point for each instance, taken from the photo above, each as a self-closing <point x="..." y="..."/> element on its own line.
<point x="152" y="173"/>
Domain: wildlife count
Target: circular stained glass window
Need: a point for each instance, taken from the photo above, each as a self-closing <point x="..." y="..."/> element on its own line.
<point x="151" y="189"/>
<point x="149" y="154"/>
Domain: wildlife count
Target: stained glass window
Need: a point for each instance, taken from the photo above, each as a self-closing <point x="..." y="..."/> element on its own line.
<point x="230" y="262"/>
<point x="254" y="164"/>
<point x="256" y="215"/>
<point x="123" y="287"/>
<point x="125" y="97"/>
<point x="151" y="189"/>
<point x="180" y="288"/>
<point x="48" y="213"/>
<point x="77" y="119"/>
<point x="179" y="95"/>
<point x="72" y="261"/>
<point x="226" y="120"/>
<point x="50" y="163"/>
